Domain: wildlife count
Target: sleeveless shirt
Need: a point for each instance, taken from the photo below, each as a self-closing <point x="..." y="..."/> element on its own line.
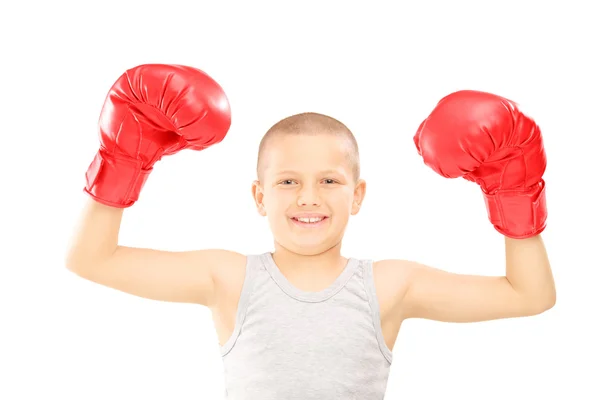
<point x="296" y="345"/>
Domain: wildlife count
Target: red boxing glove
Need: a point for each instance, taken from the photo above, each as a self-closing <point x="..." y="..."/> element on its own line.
<point x="151" y="111"/>
<point x="485" y="139"/>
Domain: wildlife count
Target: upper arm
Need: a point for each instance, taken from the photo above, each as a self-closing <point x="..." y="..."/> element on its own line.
<point x="184" y="277"/>
<point x="434" y="294"/>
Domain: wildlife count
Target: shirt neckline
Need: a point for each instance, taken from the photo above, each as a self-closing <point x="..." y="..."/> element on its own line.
<point x="302" y="295"/>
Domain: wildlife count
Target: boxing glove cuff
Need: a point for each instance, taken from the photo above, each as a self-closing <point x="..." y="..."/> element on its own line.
<point x="518" y="214"/>
<point x="115" y="181"/>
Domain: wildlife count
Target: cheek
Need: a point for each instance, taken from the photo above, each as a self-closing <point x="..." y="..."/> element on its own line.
<point x="277" y="201"/>
<point x="341" y="202"/>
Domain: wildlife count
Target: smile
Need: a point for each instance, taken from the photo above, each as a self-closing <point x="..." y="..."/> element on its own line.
<point x="309" y="222"/>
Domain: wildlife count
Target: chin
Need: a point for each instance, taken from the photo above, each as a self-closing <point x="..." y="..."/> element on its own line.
<point x="307" y="241"/>
<point x="308" y="247"/>
<point x="311" y="250"/>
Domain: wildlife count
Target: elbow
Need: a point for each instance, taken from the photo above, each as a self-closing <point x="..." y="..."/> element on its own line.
<point x="79" y="259"/>
<point x="542" y="304"/>
<point x="551" y="302"/>
<point x="73" y="266"/>
<point x="75" y="262"/>
<point x="550" y="299"/>
<point x="80" y="268"/>
<point x="69" y="262"/>
<point x="543" y="308"/>
<point x="72" y="260"/>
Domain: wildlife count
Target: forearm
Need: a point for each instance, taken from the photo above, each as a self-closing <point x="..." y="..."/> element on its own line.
<point x="96" y="236"/>
<point x="528" y="271"/>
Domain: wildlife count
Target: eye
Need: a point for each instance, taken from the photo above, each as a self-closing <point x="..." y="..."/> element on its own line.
<point x="286" y="182"/>
<point x="329" y="181"/>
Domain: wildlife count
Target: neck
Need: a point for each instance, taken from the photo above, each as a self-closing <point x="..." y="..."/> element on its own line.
<point x="329" y="260"/>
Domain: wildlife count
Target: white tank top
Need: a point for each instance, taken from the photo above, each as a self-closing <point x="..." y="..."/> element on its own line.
<point x="288" y="344"/>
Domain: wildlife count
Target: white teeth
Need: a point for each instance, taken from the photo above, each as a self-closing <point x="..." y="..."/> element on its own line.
<point x="310" y="220"/>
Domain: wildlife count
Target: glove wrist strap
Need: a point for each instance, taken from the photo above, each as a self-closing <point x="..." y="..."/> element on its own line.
<point x="115" y="180"/>
<point x="518" y="214"/>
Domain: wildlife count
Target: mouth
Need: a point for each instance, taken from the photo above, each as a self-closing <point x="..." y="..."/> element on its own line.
<point x="309" y="222"/>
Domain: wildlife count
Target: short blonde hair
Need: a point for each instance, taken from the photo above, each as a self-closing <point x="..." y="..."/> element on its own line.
<point x="310" y="123"/>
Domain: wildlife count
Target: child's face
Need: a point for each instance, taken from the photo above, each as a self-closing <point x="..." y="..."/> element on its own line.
<point x="308" y="175"/>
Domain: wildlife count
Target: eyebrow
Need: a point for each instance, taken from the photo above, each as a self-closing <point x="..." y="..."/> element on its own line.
<point x="289" y="171"/>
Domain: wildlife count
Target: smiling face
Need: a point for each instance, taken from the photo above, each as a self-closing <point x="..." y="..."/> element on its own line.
<point x="308" y="189"/>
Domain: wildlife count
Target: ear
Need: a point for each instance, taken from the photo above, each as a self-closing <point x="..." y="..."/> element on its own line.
<point x="359" y="195"/>
<point x="257" y="194"/>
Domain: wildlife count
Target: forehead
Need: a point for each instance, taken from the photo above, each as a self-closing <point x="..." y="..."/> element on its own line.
<point x="309" y="153"/>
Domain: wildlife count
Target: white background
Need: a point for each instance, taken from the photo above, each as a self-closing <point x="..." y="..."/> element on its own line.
<point x="378" y="69"/>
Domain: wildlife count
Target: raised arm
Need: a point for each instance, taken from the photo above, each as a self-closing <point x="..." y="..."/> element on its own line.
<point x="485" y="139"/>
<point x="151" y="111"/>
<point x="186" y="277"/>
<point x="526" y="289"/>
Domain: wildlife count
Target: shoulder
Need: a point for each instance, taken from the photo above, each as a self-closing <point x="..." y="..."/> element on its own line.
<point x="394" y="268"/>
<point x="228" y="265"/>
<point x="392" y="277"/>
<point x="231" y="268"/>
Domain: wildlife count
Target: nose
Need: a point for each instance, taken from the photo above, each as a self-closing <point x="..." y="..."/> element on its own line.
<point x="308" y="195"/>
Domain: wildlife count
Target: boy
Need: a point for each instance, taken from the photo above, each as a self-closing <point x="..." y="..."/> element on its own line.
<point x="304" y="322"/>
